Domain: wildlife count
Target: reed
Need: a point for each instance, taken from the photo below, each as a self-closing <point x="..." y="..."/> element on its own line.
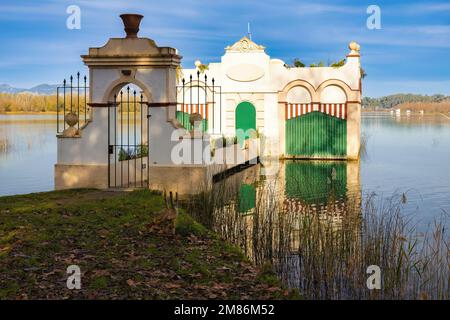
<point x="5" y="145"/>
<point x="324" y="250"/>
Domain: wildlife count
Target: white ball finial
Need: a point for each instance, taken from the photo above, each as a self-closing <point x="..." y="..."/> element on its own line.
<point x="354" y="46"/>
<point x="198" y="63"/>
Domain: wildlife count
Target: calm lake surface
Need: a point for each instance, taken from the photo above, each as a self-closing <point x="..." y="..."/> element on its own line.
<point x="405" y="161"/>
<point x="27" y="153"/>
<point x="407" y="155"/>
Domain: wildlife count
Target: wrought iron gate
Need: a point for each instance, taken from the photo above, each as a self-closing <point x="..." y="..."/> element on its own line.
<point x="128" y="145"/>
<point x="198" y="96"/>
<point x="316" y="130"/>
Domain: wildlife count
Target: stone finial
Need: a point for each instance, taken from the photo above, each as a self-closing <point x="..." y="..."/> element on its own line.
<point x="71" y="119"/>
<point x="354" y="48"/>
<point x="131" y="24"/>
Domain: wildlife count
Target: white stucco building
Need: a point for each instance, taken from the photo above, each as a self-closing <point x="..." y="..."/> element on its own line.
<point x="279" y="111"/>
<point x="265" y="94"/>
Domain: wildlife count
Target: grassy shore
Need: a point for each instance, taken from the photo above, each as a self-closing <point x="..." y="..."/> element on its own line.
<point x="112" y="237"/>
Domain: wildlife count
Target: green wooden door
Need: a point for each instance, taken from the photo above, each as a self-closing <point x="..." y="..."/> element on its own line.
<point x="316" y="135"/>
<point x="245" y="118"/>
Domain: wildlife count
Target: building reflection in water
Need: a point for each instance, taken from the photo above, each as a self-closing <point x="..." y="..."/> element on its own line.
<point x="262" y="214"/>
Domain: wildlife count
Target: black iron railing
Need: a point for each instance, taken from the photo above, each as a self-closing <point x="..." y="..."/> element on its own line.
<point x="198" y="96"/>
<point x="72" y="97"/>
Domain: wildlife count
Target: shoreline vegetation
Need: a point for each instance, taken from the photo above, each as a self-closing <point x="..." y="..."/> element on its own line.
<point x="418" y="108"/>
<point x="123" y="249"/>
<point x="437" y="103"/>
<point x="28" y="112"/>
<point x="324" y="251"/>
<point x="28" y="102"/>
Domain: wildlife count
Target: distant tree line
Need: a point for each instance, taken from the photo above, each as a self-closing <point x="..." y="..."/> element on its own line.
<point x="29" y="102"/>
<point x="429" y="107"/>
<point x="397" y="100"/>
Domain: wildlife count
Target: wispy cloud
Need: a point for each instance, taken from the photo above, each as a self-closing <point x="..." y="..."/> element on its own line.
<point x="320" y="8"/>
<point x="422" y="8"/>
<point x="432" y="36"/>
<point x="39" y="47"/>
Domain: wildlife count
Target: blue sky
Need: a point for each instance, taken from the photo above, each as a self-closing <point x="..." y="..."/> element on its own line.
<point x="410" y="53"/>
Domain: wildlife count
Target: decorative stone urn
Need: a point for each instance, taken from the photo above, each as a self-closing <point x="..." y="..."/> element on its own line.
<point x="131" y="23"/>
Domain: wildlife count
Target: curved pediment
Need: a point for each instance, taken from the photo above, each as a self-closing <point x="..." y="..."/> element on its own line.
<point x="245" y="45"/>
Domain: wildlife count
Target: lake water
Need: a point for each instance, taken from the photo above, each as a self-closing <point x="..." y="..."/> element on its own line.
<point x="27" y="153"/>
<point x="404" y="159"/>
<point x="407" y="155"/>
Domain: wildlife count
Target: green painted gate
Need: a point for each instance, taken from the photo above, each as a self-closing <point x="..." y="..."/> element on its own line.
<point x="245" y="118"/>
<point x="316" y="134"/>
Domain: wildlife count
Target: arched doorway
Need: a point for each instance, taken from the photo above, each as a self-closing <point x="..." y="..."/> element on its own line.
<point x="245" y="120"/>
<point x="128" y="147"/>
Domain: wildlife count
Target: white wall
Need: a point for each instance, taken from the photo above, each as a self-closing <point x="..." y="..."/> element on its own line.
<point x="298" y="95"/>
<point x="92" y="147"/>
<point x="271" y="125"/>
<point x="333" y="94"/>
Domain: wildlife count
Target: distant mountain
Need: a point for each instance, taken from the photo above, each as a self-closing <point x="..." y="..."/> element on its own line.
<point x="45" y="89"/>
<point x="6" y="88"/>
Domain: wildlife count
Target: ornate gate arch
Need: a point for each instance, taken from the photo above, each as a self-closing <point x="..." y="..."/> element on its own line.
<point x="128" y="139"/>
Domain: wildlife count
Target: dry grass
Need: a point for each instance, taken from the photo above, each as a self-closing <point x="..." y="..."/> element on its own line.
<point x="427" y="107"/>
